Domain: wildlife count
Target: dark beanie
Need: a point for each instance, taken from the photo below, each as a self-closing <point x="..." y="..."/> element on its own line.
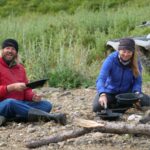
<point x="10" y="42"/>
<point x="126" y="43"/>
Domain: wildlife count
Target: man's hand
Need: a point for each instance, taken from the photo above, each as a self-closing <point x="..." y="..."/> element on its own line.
<point x="37" y="98"/>
<point x="20" y="86"/>
<point x="103" y="100"/>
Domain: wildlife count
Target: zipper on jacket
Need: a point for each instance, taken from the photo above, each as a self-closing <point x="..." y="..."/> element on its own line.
<point x="121" y="79"/>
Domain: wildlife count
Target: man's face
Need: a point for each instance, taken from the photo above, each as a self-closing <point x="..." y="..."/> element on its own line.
<point x="9" y="54"/>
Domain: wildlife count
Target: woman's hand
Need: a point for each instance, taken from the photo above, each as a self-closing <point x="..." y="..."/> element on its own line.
<point x="103" y="100"/>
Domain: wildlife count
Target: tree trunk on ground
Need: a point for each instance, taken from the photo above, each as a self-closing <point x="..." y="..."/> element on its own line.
<point x="115" y="127"/>
<point x="58" y="137"/>
<point x="92" y="126"/>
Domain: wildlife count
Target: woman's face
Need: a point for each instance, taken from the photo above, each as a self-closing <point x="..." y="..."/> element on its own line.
<point x="125" y="54"/>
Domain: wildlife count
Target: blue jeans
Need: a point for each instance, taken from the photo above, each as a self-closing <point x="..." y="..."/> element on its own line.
<point x="11" y="108"/>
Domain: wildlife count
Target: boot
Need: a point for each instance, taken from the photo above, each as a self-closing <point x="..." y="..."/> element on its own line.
<point x="2" y="120"/>
<point x="39" y="115"/>
<point x="144" y="120"/>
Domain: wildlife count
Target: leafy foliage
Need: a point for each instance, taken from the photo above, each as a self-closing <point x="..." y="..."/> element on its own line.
<point x="67" y="78"/>
<point x="64" y="40"/>
<point x="20" y="7"/>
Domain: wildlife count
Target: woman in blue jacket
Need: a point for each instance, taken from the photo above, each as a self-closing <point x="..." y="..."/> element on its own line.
<point x="120" y="73"/>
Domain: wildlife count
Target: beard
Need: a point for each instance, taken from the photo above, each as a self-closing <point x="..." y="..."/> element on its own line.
<point x="7" y="60"/>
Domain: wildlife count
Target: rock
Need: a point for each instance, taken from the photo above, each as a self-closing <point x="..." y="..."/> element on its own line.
<point x="20" y="126"/>
<point x="146" y="118"/>
<point x="134" y="118"/>
<point x="3" y="144"/>
<point x="65" y="93"/>
<point x="75" y="103"/>
<point x="61" y="144"/>
<point x="31" y="130"/>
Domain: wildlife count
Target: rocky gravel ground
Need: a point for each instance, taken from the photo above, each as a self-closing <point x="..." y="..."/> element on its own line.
<point x="75" y="103"/>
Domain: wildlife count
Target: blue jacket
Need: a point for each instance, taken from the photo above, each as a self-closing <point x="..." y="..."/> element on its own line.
<point x="116" y="78"/>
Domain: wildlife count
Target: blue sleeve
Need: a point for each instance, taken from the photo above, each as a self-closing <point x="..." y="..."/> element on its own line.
<point x="103" y="75"/>
<point x="137" y="84"/>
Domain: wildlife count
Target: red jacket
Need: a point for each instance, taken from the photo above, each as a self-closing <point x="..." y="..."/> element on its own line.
<point x="11" y="75"/>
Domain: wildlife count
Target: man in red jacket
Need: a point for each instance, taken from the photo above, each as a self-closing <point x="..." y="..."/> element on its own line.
<point x="16" y="100"/>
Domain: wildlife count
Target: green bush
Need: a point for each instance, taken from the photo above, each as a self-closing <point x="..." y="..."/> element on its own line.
<point x="67" y="78"/>
<point x="69" y="47"/>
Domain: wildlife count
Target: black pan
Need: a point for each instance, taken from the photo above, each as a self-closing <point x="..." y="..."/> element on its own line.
<point x="110" y="117"/>
<point x="114" y="110"/>
<point x="120" y="110"/>
<point x="36" y="84"/>
<point x="128" y="98"/>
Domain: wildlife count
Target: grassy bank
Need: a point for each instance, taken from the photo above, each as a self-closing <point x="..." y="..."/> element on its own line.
<point x="68" y="48"/>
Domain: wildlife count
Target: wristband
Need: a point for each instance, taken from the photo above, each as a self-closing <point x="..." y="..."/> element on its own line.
<point x="137" y="93"/>
<point x="103" y="94"/>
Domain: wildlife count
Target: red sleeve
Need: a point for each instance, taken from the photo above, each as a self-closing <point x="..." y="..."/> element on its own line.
<point x="28" y="93"/>
<point x="3" y="91"/>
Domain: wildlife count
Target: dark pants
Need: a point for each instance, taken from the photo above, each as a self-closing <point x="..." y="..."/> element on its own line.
<point x="11" y="108"/>
<point x="112" y="102"/>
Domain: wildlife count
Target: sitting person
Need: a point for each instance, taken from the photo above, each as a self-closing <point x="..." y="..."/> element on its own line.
<point x="121" y="72"/>
<point x="16" y="100"/>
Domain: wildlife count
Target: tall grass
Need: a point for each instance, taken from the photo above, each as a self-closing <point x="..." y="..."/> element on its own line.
<point x="68" y="49"/>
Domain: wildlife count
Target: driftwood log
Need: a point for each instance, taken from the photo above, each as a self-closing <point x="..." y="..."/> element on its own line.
<point x="88" y="126"/>
<point x="58" y="137"/>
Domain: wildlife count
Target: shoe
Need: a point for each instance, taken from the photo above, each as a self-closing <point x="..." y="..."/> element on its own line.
<point x="39" y="115"/>
<point x="59" y="118"/>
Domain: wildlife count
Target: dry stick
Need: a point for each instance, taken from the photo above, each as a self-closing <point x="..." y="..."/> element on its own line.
<point x="92" y="126"/>
<point x="113" y="127"/>
<point x="57" y="137"/>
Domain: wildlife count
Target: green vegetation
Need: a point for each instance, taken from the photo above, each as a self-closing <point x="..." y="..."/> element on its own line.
<point x="20" y="7"/>
<point x="64" y="40"/>
<point x="146" y="77"/>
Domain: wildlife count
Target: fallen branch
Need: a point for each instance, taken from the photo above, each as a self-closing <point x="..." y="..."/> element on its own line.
<point x="57" y="137"/>
<point x="113" y="127"/>
<point x="92" y="126"/>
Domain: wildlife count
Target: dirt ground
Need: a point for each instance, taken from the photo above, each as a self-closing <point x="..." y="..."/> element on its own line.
<point x="76" y="103"/>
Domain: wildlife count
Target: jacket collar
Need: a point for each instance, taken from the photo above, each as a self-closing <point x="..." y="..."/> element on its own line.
<point x="6" y="65"/>
<point x="117" y="61"/>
